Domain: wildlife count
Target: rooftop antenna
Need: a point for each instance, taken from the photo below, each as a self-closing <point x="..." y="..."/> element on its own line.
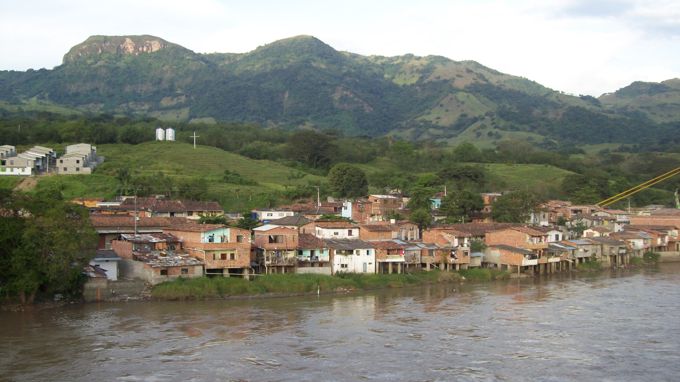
<point x="195" y="136"/>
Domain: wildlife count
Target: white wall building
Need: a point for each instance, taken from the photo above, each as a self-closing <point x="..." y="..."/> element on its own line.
<point x="352" y="256"/>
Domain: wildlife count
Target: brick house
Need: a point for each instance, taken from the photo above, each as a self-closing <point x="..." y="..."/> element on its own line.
<point x="224" y="250"/>
<point x="276" y="248"/>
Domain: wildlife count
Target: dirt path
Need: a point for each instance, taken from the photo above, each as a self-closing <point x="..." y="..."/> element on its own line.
<point x="27" y="184"/>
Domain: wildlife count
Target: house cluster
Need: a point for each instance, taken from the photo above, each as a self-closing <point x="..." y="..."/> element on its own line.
<point x="80" y="158"/>
<point x="157" y="239"/>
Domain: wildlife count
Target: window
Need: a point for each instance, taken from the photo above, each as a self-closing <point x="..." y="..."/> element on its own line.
<point x="349" y="232"/>
<point x="61" y="161"/>
<point x="344" y="266"/>
<point x="335" y="233"/>
<point x="77" y="168"/>
<point x="223" y="256"/>
<point x="232" y="256"/>
<point x="164" y="272"/>
<point x="275" y="239"/>
<point x="239" y="238"/>
<point x="269" y="214"/>
<point x="211" y="237"/>
<point x="185" y="271"/>
<point x="78" y="161"/>
<point x="65" y="169"/>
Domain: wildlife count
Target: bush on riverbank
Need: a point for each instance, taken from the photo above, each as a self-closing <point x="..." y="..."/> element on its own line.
<point x="651" y="257"/>
<point x="484" y="274"/>
<point x="220" y="287"/>
<point x="590" y="266"/>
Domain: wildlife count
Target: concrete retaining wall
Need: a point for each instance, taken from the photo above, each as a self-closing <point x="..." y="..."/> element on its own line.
<point x="314" y="270"/>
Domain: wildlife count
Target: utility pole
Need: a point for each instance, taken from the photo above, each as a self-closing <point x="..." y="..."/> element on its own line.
<point x="318" y="199"/>
<point x="195" y="136"/>
<point x="135" y="214"/>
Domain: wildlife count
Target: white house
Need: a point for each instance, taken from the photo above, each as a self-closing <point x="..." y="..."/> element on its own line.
<point x="107" y="260"/>
<point x="352" y="256"/>
<point x="333" y="230"/>
<point x="268" y="215"/>
<point x="17" y="166"/>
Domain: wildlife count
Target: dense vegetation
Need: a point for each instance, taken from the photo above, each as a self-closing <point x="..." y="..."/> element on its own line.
<point x="44" y="244"/>
<point x="254" y="167"/>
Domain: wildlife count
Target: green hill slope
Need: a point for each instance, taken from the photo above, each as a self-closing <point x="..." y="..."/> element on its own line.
<point x="179" y="161"/>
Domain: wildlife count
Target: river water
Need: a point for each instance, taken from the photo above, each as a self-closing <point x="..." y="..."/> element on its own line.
<point x="618" y="327"/>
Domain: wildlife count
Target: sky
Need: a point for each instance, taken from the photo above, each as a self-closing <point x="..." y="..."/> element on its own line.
<point x="575" y="46"/>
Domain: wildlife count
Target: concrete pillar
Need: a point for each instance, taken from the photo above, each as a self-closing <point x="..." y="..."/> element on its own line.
<point x="389" y="268"/>
<point x="427" y="266"/>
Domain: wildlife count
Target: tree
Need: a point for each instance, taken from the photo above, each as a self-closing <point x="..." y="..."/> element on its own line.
<point x="460" y="205"/>
<point x="422" y="218"/>
<point x="56" y="240"/>
<point x="514" y="207"/>
<point x="347" y="181"/>
<point x="311" y="148"/>
<point x="420" y="198"/>
<point x="467" y="152"/>
<point x="464" y="176"/>
<point x="247" y="222"/>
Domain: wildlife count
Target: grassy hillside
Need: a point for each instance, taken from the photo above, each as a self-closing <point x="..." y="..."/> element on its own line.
<point x="179" y="161"/>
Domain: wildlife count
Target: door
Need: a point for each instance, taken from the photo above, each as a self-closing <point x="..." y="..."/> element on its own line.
<point x="365" y="267"/>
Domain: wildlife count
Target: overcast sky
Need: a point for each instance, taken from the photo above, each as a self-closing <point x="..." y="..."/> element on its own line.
<point x="576" y="46"/>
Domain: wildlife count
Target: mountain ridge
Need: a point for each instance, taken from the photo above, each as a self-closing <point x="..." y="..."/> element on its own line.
<point x="303" y="82"/>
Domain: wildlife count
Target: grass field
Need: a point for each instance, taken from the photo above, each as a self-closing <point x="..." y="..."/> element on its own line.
<point x="9" y="181"/>
<point x="179" y="160"/>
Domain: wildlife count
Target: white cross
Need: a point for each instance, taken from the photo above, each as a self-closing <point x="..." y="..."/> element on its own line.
<point x="195" y="136"/>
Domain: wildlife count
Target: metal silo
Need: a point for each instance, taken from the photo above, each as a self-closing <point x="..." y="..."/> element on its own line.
<point x="160" y="134"/>
<point x="170" y="134"/>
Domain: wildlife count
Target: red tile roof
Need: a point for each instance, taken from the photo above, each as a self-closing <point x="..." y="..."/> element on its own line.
<point x="101" y="221"/>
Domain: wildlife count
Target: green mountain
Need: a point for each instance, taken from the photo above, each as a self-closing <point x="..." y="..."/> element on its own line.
<point x="303" y="82"/>
<point x="657" y="101"/>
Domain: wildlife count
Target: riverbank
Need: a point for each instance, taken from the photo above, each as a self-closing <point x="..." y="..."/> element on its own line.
<point x="300" y="284"/>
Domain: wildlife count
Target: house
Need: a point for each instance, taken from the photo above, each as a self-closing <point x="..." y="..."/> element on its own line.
<point x="276" y="248"/>
<point x="313" y="255"/>
<point x="661" y="217"/>
<point x="333" y="229"/>
<point x="351" y="256"/>
<point x="111" y="227"/>
<point x="7" y="151"/>
<point x="129" y="244"/>
<point x="44" y="157"/>
<point x="17" y="166"/>
<point x="389" y="256"/>
<point x="315" y="210"/>
<point x="196" y="209"/>
<point x="597" y="232"/>
<point x="507" y="257"/>
<point x="384" y="206"/>
<point x="637" y="242"/>
<point x="224" y="251"/>
<point x="489" y="198"/>
<point x="520" y="237"/>
<point x="155" y="258"/>
<point x="612" y="252"/>
<point x="358" y="210"/>
<point x="267" y="215"/>
<point x="294" y="222"/>
<point x="523" y="238"/>
<point x="554" y="234"/>
<point x="106" y="260"/>
<point x="162" y="207"/>
<point x="402" y="230"/>
<point x="73" y="164"/>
